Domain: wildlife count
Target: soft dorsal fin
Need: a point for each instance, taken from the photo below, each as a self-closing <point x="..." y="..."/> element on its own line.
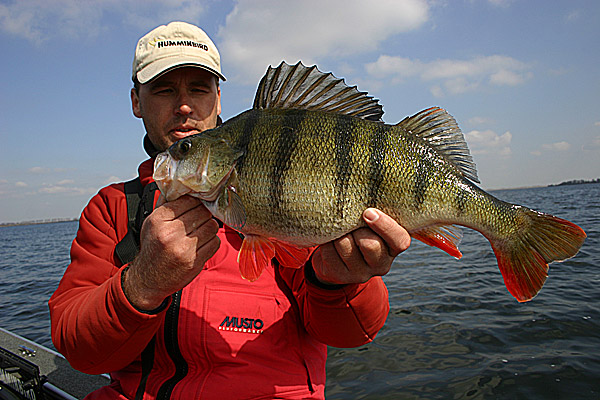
<point x="299" y="86"/>
<point x="441" y="131"/>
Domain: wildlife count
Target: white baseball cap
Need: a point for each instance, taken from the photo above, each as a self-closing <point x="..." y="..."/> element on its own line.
<point x="174" y="45"/>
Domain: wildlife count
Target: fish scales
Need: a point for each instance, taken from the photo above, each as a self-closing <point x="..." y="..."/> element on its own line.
<point x="300" y="167"/>
<point x="311" y="184"/>
<point x="323" y="169"/>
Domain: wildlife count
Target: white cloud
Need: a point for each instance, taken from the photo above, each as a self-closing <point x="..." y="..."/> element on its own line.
<point x="453" y="76"/>
<point x="38" y="170"/>
<point x="505" y="77"/>
<point x="480" y="120"/>
<point x="41" y="20"/>
<point x="552" y="147"/>
<point x="111" y="179"/>
<point x="558" y="146"/>
<point x="489" y="142"/>
<point x="500" y="3"/>
<point x="45" y="170"/>
<point x="20" y="184"/>
<point x="263" y="32"/>
<point x="597" y="123"/>
<point x="573" y="16"/>
<point x="60" y="189"/>
<point x="54" y="189"/>
<point x="592" y="145"/>
<point x="460" y="85"/>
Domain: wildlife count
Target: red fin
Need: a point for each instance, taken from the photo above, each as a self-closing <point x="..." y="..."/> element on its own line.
<point x="291" y="256"/>
<point x="255" y="254"/>
<point x="524" y="274"/>
<point x="443" y="237"/>
<point x="523" y="259"/>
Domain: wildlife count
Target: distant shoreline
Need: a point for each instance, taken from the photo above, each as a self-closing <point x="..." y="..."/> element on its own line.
<point x="565" y="183"/>
<point x="38" y="222"/>
<point x="575" y="182"/>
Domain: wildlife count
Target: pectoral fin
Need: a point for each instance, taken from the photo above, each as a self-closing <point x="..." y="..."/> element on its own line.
<point x="255" y="254"/>
<point x="234" y="214"/>
<point x="229" y="208"/>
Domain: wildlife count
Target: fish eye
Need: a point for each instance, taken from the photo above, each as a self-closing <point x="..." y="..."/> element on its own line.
<point x="185" y="145"/>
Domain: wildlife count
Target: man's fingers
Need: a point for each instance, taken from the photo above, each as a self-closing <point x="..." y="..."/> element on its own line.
<point x="374" y="251"/>
<point x="347" y="250"/>
<point x="328" y="265"/>
<point x="186" y="210"/>
<point x="177" y="208"/>
<point x="204" y="231"/>
<point x="395" y="236"/>
<point x="208" y="249"/>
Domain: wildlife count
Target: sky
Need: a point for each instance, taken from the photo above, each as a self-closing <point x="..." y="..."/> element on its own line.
<point x="522" y="79"/>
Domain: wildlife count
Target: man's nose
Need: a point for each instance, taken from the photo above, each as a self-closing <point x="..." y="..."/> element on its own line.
<point x="183" y="105"/>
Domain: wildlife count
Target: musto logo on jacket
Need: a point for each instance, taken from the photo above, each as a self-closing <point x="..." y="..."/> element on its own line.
<point x="244" y="325"/>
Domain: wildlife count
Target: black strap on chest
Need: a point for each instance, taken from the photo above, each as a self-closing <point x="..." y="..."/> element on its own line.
<point x="140" y="203"/>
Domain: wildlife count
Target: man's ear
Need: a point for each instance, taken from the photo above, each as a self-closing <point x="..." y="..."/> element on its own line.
<point x="218" y="100"/>
<point x="135" y="103"/>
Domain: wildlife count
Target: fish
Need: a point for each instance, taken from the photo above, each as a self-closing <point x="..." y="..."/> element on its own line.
<point x="299" y="168"/>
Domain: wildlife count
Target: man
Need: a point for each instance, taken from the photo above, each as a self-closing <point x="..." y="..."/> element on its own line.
<point x="178" y="320"/>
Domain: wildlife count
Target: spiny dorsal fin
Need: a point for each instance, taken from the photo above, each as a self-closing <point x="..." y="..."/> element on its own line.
<point x="299" y="86"/>
<point x="441" y="131"/>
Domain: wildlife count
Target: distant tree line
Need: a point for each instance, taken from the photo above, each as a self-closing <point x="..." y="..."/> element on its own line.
<point x="576" y="182"/>
<point x="39" y="221"/>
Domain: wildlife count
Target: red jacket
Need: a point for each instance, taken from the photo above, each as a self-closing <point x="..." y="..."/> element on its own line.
<point x="228" y="338"/>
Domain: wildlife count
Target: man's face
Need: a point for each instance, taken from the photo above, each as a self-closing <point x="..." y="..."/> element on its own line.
<point x="182" y="102"/>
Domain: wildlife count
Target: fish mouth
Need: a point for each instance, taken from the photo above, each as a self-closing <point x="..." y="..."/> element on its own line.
<point x="164" y="173"/>
<point x="197" y="185"/>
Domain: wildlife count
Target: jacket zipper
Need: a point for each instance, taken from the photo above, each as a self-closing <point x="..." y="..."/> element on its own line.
<point x="172" y="347"/>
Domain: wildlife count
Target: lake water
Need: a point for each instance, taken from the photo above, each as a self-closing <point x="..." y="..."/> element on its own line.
<point x="453" y="332"/>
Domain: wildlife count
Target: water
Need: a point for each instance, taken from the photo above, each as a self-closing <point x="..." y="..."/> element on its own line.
<point x="453" y="332"/>
<point x="33" y="258"/>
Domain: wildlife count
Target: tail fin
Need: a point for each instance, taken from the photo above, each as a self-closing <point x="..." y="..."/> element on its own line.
<point x="523" y="259"/>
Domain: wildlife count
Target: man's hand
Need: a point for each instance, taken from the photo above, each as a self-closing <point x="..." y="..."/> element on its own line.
<point x="176" y="241"/>
<point x="362" y="254"/>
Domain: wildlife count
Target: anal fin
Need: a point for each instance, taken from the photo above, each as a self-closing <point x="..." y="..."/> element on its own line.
<point x="291" y="256"/>
<point x="445" y="237"/>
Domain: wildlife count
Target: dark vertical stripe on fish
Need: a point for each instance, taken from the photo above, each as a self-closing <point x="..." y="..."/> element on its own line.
<point x="377" y="148"/>
<point x="423" y="170"/>
<point x="344" y="127"/>
<point x="287" y="141"/>
<point x="244" y="139"/>
<point x="461" y="200"/>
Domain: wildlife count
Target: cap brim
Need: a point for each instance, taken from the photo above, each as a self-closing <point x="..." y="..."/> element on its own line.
<point x="161" y="67"/>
